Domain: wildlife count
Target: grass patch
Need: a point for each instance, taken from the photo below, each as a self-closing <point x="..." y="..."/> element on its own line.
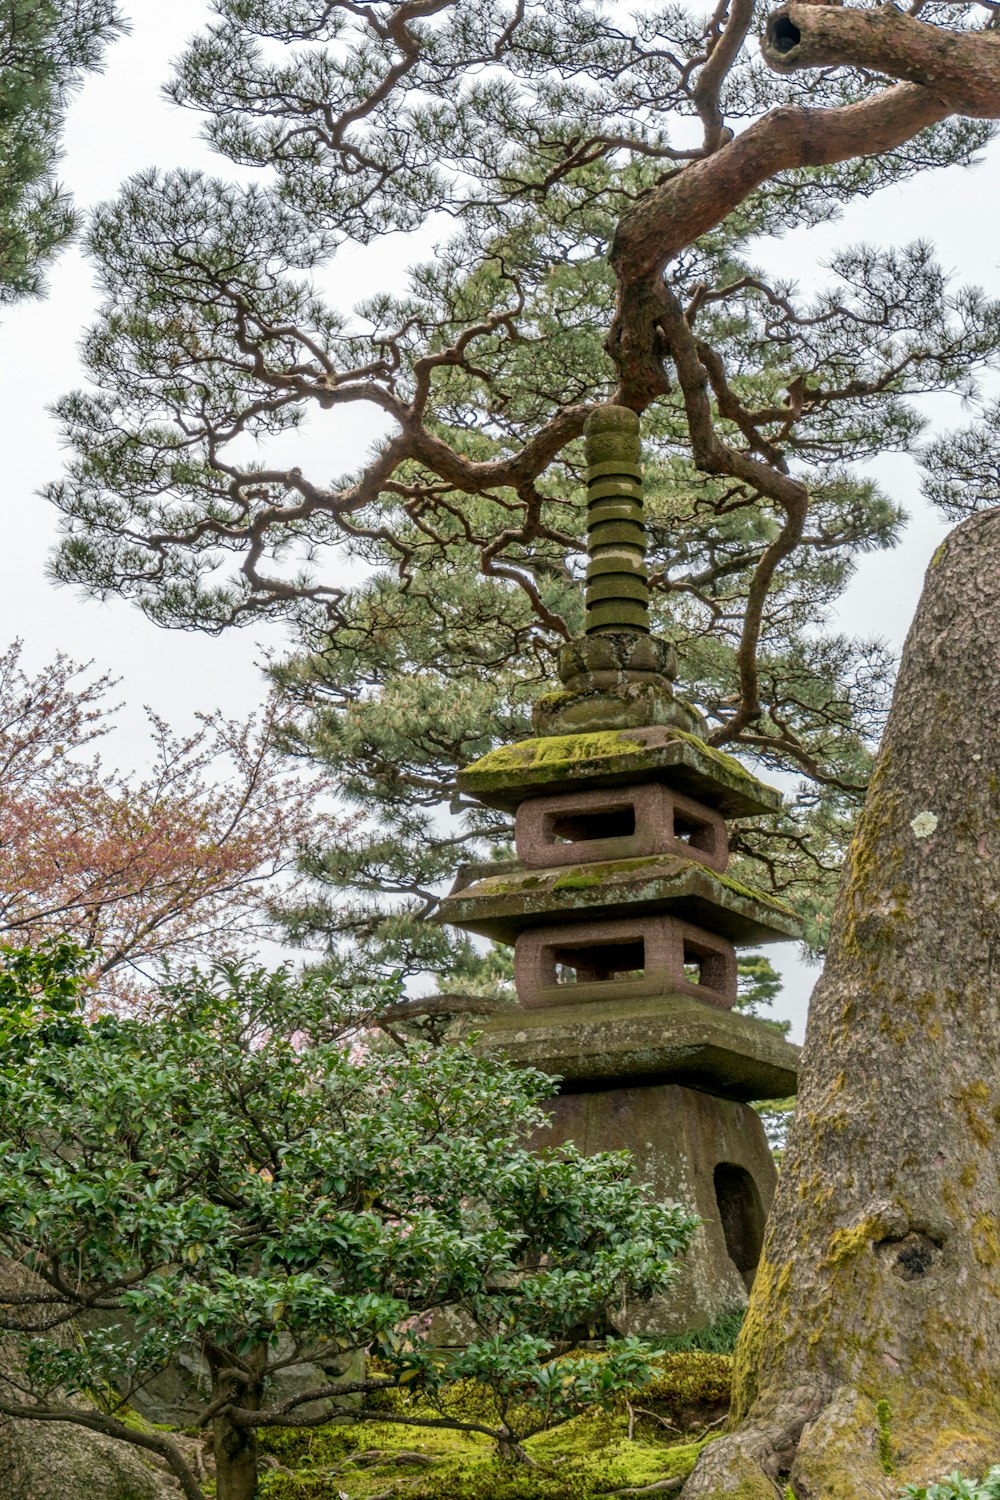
<point x="718" y="1338"/>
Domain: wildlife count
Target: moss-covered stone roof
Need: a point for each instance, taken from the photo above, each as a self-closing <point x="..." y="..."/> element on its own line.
<point x="501" y="906"/>
<point x="617" y="757"/>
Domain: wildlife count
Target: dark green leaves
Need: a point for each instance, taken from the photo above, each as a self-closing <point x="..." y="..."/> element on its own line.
<point x="249" y="1171"/>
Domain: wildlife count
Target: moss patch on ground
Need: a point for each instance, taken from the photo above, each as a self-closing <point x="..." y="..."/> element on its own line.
<point x="654" y="1433"/>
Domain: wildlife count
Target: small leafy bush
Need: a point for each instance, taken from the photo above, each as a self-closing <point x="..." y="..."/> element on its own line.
<point x="954" y="1487"/>
<point x="248" y="1177"/>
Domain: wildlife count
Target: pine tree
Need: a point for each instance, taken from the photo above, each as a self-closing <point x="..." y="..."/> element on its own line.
<point x="593" y="245"/>
<point x="598" y="183"/>
<point x="44" y="50"/>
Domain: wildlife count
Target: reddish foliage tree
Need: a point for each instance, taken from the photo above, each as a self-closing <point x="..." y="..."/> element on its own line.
<point x="180" y="861"/>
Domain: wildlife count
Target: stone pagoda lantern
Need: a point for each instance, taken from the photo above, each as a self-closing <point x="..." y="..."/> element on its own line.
<point x="623" y="919"/>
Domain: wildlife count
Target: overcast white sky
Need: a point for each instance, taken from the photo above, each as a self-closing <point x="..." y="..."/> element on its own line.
<point x="118" y="125"/>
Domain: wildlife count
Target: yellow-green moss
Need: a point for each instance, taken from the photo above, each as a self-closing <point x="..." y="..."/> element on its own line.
<point x="555" y="751"/>
<point x="583" y="1458"/>
<point x="846" y="1243"/>
<point x="871" y="863"/>
<point x="750" y="894"/>
<point x="967" y="1175"/>
<point x="771" y="1284"/>
<point x="729" y="762"/>
<point x="578" y="880"/>
<point x="555" y="757"/>
<point x="658" y="867"/>
<point x="923" y="1003"/>
<point x="757" y="1488"/>
<point x="470" y="1475"/>
<point x="973" y="1100"/>
<point x="566" y="749"/>
<point x="685" y="1382"/>
<point x="596" y="874"/>
<point x="985" y="1240"/>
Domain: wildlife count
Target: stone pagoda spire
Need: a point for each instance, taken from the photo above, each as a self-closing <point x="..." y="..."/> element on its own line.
<point x="623" y="919"/>
<point x="618" y="676"/>
<point x="617" y="583"/>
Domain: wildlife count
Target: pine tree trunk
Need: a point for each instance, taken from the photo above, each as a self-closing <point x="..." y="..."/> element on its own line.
<point x="869" y="1356"/>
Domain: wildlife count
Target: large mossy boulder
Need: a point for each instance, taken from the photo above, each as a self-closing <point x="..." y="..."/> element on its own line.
<point x="59" y="1461"/>
<point x="56" y="1461"/>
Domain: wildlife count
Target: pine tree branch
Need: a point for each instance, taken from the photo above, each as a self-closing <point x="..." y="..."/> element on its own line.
<point x="959" y="69"/>
<point x="696" y="199"/>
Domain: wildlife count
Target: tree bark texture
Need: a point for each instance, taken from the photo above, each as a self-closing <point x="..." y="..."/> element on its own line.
<point x="234" y="1445"/>
<point x="689" y="203"/>
<point x="937" y="73"/>
<point x="869" y="1355"/>
<point x="961" y="69"/>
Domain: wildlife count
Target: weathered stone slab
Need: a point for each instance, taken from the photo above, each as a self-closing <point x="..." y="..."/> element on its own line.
<point x="629" y="705"/>
<point x="500" y="906"/>
<point x="667" y="1038"/>
<point x="617" y="757"/>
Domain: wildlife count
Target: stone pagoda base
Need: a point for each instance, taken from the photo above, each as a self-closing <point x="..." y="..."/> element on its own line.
<point x="668" y="1079"/>
<point x="708" y="1153"/>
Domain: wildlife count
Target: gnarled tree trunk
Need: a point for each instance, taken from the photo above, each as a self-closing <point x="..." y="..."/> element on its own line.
<point x="234" y="1445"/>
<point x="869" y="1356"/>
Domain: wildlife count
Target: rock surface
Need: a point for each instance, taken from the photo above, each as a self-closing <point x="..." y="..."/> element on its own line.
<point x="56" y="1461"/>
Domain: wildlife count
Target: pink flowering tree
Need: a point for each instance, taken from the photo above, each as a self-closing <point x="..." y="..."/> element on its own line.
<point x="180" y="860"/>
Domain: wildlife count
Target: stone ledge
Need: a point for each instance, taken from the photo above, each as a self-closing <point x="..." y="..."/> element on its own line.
<point x="656" y="1040"/>
<point x="616" y="757"/>
<point x="502" y="905"/>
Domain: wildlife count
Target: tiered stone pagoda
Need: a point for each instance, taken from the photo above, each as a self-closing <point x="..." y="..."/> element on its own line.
<point x="623" y="919"/>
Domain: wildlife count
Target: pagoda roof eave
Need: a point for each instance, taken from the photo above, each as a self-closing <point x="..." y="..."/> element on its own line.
<point x="503" y="905"/>
<point x="658" y="1039"/>
<point x="550" y="764"/>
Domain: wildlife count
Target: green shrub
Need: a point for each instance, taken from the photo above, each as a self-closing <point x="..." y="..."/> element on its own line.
<point x="954" y="1487"/>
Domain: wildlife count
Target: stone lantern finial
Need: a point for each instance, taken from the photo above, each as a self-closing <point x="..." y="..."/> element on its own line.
<point x="618" y="675"/>
<point x="617" y="583"/>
